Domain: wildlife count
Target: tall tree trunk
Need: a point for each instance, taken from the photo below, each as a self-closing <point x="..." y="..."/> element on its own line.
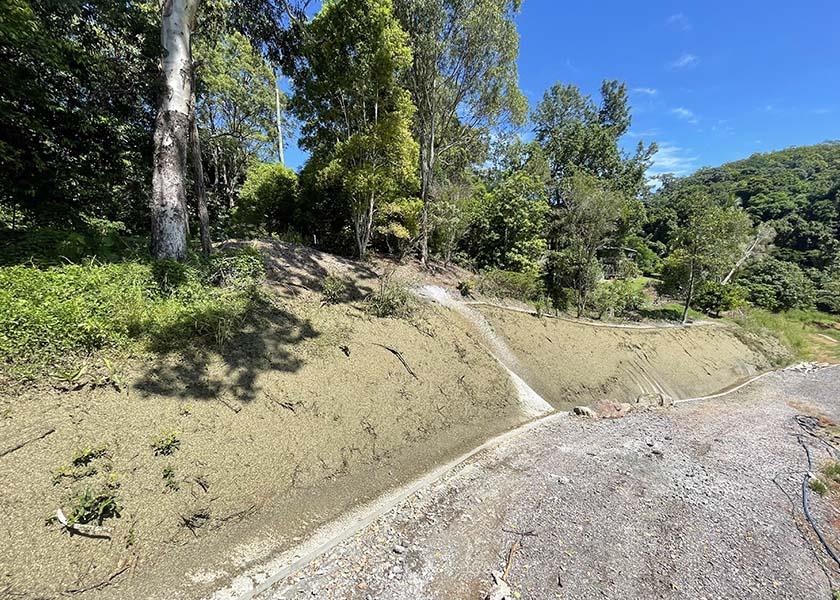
<point x="279" y="122"/>
<point x="198" y="177"/>
<point x="172" y="125"/>
<point x="427" y="161"/>
<point x="689" y="296"/>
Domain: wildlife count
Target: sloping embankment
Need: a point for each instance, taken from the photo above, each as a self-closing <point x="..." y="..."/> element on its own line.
<point x="575" y="363"/>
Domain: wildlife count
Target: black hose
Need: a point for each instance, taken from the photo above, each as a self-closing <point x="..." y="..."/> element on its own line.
<point x="806" y="508"/>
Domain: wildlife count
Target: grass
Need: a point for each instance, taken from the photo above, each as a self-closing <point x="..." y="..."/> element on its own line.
<point x="393" y="299"/>
<point x="818" y="486"/>
<point x="73" y="310"/>
<point x="795" y="329"/>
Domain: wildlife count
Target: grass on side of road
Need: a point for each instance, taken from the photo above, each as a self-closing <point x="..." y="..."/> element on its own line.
<point x="808" y="334"/>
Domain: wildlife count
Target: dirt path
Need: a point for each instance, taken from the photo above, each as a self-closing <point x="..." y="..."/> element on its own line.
<point x="700" y="501"/>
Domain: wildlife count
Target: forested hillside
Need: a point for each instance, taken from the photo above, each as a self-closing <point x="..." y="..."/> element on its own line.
<point x="793" y="200"/>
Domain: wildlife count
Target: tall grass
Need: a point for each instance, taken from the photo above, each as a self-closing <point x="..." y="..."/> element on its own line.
<point x="795" y="329"/>
<point x="48" y="314"/>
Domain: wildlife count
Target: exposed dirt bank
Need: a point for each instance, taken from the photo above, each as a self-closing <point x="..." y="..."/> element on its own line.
<point x="571" y="363"/>
<point x="699" y="501"/>
<point x="308" y="411"/>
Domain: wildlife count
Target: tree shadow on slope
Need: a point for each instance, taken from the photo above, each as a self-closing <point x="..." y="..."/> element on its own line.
<point x="293" y="267"/>
<point x="226" y="363"/>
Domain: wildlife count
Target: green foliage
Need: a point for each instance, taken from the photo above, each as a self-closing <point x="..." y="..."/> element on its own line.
<point x="618" y="297"/>
<point x="334" y="289"/>
<point x="356" y="114"/>
<point x="706" y="242"/>
<point x="398" y="222"/>
<point x="818" y="486"/>
<point x="777" y="285"/>
<point x="498" y="283"/>
<point x="166" y="443"/>
<point x="268" y="201"/>
<point x="714" y="298"/>
<point x="581" y="225"/>
<point x="94" y="507"/>
<point x="466" y="287"/>
<point x="793" y="328"/>
<point x="795" y="191"/>
<point x="393" y="299"/>
<point x="509" y="219"/>
<point x="84" y="456"/>
<point x="169" y="481"/>
<point x="53" y="314"/>
<point x="75" y="125"/>
<point x="828" y="296"/>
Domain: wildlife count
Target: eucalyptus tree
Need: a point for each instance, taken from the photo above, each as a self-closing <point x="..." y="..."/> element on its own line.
<point x="462" y="78"/>
<point x="356" y="115"/>
<point x="172" y="130"/>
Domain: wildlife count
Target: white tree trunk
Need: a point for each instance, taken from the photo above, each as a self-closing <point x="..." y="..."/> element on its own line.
<point x="172" y="127"/>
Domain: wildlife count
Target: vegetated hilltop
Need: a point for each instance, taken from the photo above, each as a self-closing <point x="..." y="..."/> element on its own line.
<point x="794" y="195"/>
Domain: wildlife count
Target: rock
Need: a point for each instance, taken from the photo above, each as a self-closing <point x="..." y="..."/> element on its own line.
<point x="584" y="411"/>
<point x="399" y="549"/>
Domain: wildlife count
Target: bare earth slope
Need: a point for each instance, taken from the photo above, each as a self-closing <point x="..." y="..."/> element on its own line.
<point x="698" y="501"/>
<point x="580" y="363"/>
<point x="309" y="411"/>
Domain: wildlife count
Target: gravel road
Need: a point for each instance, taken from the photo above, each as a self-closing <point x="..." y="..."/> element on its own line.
<point x="702" y="500"/>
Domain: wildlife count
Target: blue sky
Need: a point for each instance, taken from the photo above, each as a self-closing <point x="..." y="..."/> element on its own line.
<point x="711" y="81"/>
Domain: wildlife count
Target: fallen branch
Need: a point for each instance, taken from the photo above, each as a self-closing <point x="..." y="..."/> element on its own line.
<point x="38" y="436"/>
<point x="101" y="584"/>
<point x="234" y="408"/>
<point x="96" y="531"/>
<point x="402" y="360"/>
<point x="511" y="552"/>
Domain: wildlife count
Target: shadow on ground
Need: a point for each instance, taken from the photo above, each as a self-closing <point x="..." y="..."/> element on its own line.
<point x="230" y="367"/>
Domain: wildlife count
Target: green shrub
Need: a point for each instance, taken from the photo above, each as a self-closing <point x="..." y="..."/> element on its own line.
<point x="828" y="297"/>
<point x="498" y="283"/>
<point x="620" y="297"/>
<point x="777" y="285"/>
<point x="714" y="298"/>
<point x="393" y="299"/>
<point x="334" y="289"/>
<point x="166" y="444"/>
<point x="466" y="288"/>
<point x="58" y="312"/>
<point x="88" y="507"/>
<point x="268" y="200"/>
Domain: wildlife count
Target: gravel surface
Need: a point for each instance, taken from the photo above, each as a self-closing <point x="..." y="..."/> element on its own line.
<point x="698" y="501"/>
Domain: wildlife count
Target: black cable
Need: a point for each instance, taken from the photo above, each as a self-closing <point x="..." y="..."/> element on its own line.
<point x="805" y="506"/>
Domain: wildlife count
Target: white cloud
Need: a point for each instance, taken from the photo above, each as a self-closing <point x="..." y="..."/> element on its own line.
<point x="645" y="133"/>
<point x="671" y="159"/>
<point x="684" y="114"/>
<point x="646" y="91"/>
<point x="679" y="21"/>
<point x="684" y="61"/>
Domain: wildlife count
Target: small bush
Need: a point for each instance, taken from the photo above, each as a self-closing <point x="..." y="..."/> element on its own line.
<point x="619" y="297"/>
<point x="268" y="201"/>
<point x="166" y="444"/>
<point x="169" y="480"/>
<point x="818" y="486"/>
<point x="334" y="289"/>
<point x="828" y="297"/>
<point x="83" y="457"/>
<point x="498" y="283"/>
<point x="393" y="300"/>
<point x="89" y="507"/>
<point x="714" y="298"/>
<point x="466" y="288"/>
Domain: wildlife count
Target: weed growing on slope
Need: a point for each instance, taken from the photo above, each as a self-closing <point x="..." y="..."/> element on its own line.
<point x="166" y="444"/>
